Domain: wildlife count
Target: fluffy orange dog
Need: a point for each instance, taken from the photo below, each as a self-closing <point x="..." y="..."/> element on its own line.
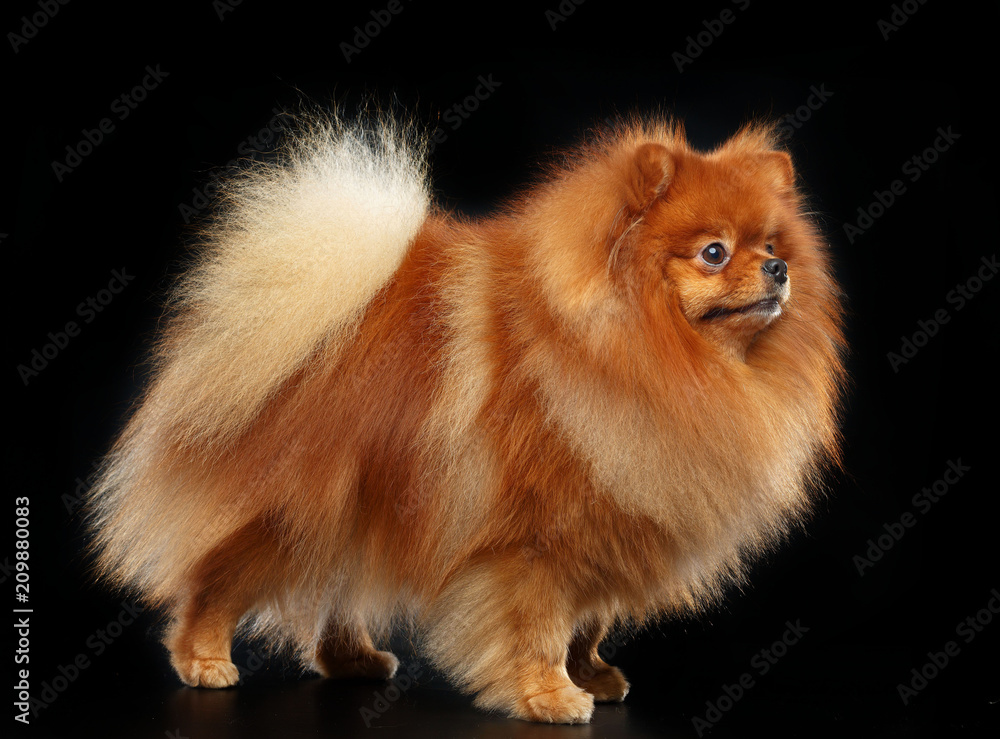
<point x="512" y="433"/>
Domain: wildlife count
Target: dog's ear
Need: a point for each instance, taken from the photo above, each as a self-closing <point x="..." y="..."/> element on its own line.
<point x="778" y="166"/>
<point x="755" y="145"/>
<point x="645" y="176"/>
<point x="648" y="176"/>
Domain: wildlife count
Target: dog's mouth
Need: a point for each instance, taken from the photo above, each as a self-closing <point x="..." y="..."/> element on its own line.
<point x="765" y="307"/>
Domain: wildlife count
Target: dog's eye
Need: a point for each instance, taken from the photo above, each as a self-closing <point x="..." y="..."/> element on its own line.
<point x="770" y="249"/>
<point x="714" y="254"/>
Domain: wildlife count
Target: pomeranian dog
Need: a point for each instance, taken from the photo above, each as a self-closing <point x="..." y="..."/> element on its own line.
<point x="513" y="433"/>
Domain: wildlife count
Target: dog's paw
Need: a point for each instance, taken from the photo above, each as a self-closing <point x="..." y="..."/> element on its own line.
<point x="207" y="673"/>
<point x="607" y="685"/>
<point x="568" y="705"/>
<point x="372" y="666"/>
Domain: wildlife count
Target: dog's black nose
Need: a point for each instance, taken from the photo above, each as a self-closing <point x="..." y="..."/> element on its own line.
<point x="777" y="269"/>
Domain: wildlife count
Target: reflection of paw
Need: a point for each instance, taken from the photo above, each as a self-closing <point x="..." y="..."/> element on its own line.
<point x="374" y="666"/>
<point x="207" y="673"/>
<point x="607" y="685"/>
<point x="568" y="705"/>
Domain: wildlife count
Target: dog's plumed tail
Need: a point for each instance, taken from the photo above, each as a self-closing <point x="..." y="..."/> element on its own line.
<point x="298" y="249"/>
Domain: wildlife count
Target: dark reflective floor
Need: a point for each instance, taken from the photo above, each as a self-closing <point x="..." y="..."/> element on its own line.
<point x="131" y="693"/>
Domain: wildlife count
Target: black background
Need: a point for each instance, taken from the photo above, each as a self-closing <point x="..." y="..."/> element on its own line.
<point x="119" y="209"/>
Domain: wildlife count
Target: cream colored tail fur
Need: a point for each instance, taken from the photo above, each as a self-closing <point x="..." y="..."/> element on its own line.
<point x="299" y="249"/>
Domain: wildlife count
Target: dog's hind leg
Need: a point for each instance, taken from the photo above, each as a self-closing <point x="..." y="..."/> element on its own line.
<point x="228" y="581"/>
<point x="587" y="669"/>
<point x="346" y="650"/>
